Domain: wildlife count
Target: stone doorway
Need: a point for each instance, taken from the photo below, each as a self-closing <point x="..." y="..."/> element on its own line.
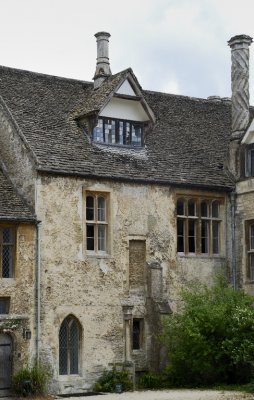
<point x="5" y="362"/>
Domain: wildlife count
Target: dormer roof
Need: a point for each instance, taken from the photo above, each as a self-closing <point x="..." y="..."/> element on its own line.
<point x="111" y="87"/>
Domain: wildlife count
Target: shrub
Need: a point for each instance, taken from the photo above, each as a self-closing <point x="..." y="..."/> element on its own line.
<point x="212" y="339"/>
<point x="151" y="380"/>
<point x="31" y="380"/>
<point x="107" y="382"/>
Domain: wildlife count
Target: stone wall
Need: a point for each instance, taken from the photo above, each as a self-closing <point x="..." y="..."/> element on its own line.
<point x="96" y="288"/>
<point x="21" y="290"/>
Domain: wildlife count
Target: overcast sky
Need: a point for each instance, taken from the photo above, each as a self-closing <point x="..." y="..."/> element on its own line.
<point x="175" y="46"/>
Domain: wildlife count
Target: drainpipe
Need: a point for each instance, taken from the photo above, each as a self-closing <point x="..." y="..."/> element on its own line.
<point x="38" y="292"/>
<point x="233" y="242"/>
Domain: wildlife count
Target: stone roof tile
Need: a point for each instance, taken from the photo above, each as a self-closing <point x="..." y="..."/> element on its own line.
<point x="187" y="145"/>
<point x="12" y="206"/>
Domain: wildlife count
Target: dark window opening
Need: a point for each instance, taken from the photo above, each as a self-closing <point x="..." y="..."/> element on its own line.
<point x="118" y="132"/>
<point x="4" y="305"/>
<point x="137" y="333"/>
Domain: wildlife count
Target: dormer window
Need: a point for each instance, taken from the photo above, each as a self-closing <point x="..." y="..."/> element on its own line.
<point x="118" y="132"/>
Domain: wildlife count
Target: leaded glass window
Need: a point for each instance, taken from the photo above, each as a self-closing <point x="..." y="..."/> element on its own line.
<point x="96" y="222"/>
<point x="69" y="346"/>
<point x="198" y="226"/>
<point x="118" y="132"/>
<point x="7" y="251"/>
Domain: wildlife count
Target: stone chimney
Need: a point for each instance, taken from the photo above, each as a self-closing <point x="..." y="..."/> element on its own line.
<point x="102" y="66"/>
<point x="240" y="84"/>
<point x="240" y="98"/>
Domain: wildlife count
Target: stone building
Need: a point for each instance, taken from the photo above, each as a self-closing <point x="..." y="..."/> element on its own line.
<point x="112" y="199"/>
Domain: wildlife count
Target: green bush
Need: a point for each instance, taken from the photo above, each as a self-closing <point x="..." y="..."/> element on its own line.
<point x="212" y="340"/>
<point x="151" y="380"/>
<point x="31" y="380"/>
<point x="107" y="382"/>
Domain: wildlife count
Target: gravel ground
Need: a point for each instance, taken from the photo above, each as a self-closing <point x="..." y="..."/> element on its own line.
<point x="170" y="395"/>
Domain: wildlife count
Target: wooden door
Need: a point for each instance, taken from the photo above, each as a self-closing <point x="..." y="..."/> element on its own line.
<point x="5" y="361"/>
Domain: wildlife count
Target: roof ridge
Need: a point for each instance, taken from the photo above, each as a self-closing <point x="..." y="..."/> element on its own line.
<point x="199" y="99"/>
<point x="43" y="75"/>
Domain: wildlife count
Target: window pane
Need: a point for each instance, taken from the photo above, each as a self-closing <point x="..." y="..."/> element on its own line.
<point x="251" y="272"/>
<point x="136" y="334"/>
<point x="136" y="135"/>
<point x="252" y="237"/>
<point x="98" y="131"/>
<point x="204" y="209"/>
<point x="127" y="133"/>
<point x="73" y="346"/>
<point x="89" y="208"/>
<point x="101" y="209"/>
<point x="180" y="207"/>
<point x="205" y="237"/>
<point x="102" y="237"/>
<point x="215" y="232"/>
<point x="191" y="236"/>
<point x="7" y="261"/>
<point x="110" y="131"/>
<point x="7" y="235"/>
<point x="121" y="132"/>
<point x="191" y="208"/>
<point x="180" y="235"/>
<point x="90" y="237"/>
<point x="215" y="209"/>
<point x="63" y="349"/>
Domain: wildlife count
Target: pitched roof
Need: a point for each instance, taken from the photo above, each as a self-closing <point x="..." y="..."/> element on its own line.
<point x="12" y="206"/>
<point x="187" y="145"/>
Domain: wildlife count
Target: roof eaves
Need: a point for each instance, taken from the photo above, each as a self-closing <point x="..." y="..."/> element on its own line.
<point x="18" y="219"/>
<point x="205" y="186"/>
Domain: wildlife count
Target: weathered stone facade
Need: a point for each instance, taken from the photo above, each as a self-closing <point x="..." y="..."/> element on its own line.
<point x="94" y="289"/>
<point x="91" y="282"/>
<point x="21" y="291"/>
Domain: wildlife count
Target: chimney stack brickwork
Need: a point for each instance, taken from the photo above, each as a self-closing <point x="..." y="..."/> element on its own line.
<point x="102" y="66"/>
<point x="240" y="84"/>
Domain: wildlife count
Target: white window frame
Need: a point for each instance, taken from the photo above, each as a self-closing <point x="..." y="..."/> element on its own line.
<point x="250" y="249"/>
<point x="97" y="223"/>
<point x="198" y="220"/>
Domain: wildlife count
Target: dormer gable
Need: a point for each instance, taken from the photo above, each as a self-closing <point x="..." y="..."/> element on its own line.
<point x="126" y="89"/>
<point x="124" y="117"/>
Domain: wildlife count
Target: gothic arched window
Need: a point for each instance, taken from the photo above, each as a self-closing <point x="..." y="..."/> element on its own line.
<point x="69" y="346"/>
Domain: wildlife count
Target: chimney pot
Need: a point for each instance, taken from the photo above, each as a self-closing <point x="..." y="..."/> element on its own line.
<point x="102" y="66"/>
